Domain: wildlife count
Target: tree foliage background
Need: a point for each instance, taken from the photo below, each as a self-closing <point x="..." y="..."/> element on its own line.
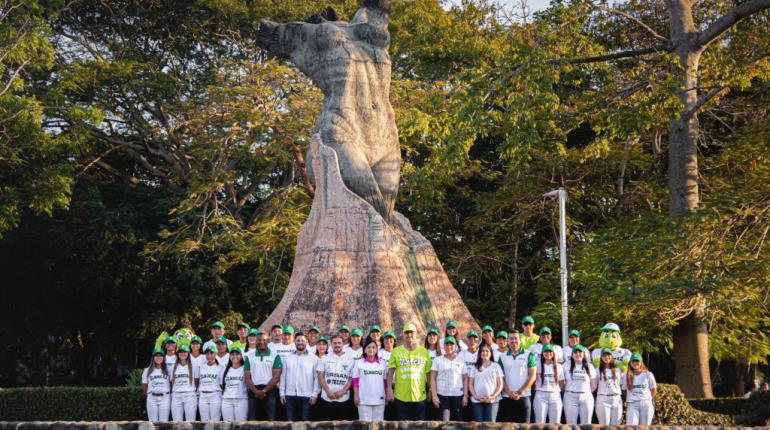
<point x="151" y="172"/>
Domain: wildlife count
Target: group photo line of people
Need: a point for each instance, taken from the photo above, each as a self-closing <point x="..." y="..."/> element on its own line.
<point x="516" y="376"/>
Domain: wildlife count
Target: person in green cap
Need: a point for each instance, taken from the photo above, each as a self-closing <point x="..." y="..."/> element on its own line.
<point x="471" y="353"/>
<point x="196" y="353"/>
<point x="528" y="336"/>
<point x="450" y="330"/>
<point x="242" y="331"/>
<point x="431" y="343"/>
<point x="448" y="382"/>
<point x="262" y="369"/>
<point x="354" y="348"/>
<point x="322" y="347"/>
<point x="276" y="335"/>
<point x="519" y="368"/>
<point x="287" y="345"/>
<point x="609" y="402"/>
<point x="640" y="387"/>
<point x="573" y="340"/>
<point x="170" y="345"/>
<point x="579" y="385"/>
<point x="251" y="342"/>
<point x="184" y="402"/>
<point x="545" y="339"/>
<point x="223" y="356"/>
<point x="210" y="387"/>
<point x="344" y="332"/>
<point x="488" y="337"/>
<point x="549" y="383"/>
<point x="501" y="340"/>
<point x="313" y="333"/>
<point x="217" y="329"/>
<point x="156" y="385"/>
<point x="235" y="401"/>
<point x="375" y="333"/>
<point x="388" y="344"/>
<point x="408" y="370"/>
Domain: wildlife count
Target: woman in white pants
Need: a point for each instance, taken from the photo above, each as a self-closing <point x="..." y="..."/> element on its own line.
<point x="369" y="376"/>
<point x="609" y="402"/>
<point x="580" y="383"/>
<point x="210" y="387"/>
<point x="156" y="386"/>
<point x="235" y="403"/>
<point x="184" y="401"/>
<point x="549" y="382"/>
<point x="640" y="389"/>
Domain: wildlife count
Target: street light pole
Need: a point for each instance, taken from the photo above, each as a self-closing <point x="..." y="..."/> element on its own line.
<point x="562" y="195"/>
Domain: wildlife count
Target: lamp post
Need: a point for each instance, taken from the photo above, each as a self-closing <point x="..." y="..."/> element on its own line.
<point x="561" y="193"/>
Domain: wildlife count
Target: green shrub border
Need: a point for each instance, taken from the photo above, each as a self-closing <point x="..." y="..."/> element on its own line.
<point x="723" y="405"/>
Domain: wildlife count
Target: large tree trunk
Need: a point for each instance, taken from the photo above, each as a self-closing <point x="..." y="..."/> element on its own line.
<point x="691" y="334"/>
<point x="514" y="295"/>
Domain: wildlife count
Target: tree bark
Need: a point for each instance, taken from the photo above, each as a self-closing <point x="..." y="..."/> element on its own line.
<point x="514" y="295"/>
<point x="691" y="358"/>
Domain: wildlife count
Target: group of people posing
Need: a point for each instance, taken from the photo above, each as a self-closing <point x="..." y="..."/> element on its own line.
<point x="492" y="377"/>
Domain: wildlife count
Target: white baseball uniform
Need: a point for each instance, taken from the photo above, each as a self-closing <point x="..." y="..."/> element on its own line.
<point x="235" y="403"/>
<point x="609" y="402"/>
<point x="639" y="398"/>
<point x="210" y="391"/>
<point x="158" y="394"/>
<point x="547" y="403"/>
<point x="578" y="393"/>
<point x="184" y="402"/>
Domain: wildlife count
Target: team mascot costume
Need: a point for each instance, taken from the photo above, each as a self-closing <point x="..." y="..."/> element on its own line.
<point x="611" y="339"/>
<point x="183" y="336"/>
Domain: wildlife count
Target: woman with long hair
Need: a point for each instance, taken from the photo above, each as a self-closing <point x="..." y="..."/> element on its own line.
<point x="210" y="387"/>
<point x="450" y="330"/>
<point x="369" y="376"/>
<point x="321" y="347"/>
<point x="431" y="343"/>
<point x="580" y="383"/>
<point x="184" y="402"/>
<point x="354" y="348"/>
<point x="485" y="382"/>
<point x="156" y="386"/>
<point x="235" y="402"/>
<point x="609" y="402"/>
<point x="388" y="343"/>
<point x="197" y="356"/>
<point x="640" y="389"/>
<point x="549" y="382"/>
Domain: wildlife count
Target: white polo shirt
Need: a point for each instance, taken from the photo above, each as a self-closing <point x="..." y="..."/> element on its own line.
<point x="261" y="366"/>
<point x="516" y="369"/>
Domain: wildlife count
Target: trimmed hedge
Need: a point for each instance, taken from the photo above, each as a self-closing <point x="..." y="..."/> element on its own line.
<point x="722" y="405"/>
<point x="672" y="408"/>
<point x="71" y="404"/>
<point x="757" y="412"/>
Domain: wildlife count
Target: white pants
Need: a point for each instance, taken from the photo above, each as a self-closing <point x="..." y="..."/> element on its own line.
<point x="548" y="405"/>
<point x="158" y="407"/>
<point x="640" y="413"/>
<point x="183" y="406"/>
<point x="578" y="406"/>
<point x="609" y="409"/>
<point x="371" y="412"/>
<point x="235" y="409"/>
<point x="210" y="406"/>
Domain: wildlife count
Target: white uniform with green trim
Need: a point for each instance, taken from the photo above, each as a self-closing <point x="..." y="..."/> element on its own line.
<point x="158" y="394"/>
<point x="184" y="401"/>
<point x="210" y="391"/>
<point x="639" y="398"/>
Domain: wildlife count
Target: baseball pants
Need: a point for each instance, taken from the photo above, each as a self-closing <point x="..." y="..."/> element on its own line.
<point x="609" y="409"/>
<point x="210" y="406"/>
<point x="371" y="412"/>
<point x="184" y="406"/>
<point x="578" y="407"/>
<point x="158" y="406"/>
<point x="235" y="409"/>
<point x="547" y="405"/>
<point x="640" y="413"/>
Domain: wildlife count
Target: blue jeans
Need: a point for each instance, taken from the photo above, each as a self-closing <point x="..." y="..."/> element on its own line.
<point x="410" y="411"/>
<point x="485" y="411"/>
<point x="263" y="409"/>
<point x="297" y="408"/>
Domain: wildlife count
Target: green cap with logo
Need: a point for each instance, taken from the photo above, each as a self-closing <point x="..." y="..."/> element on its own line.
<point x="450" y="339"/>
<point x="275" y="326"/>
<point x="356" y="332"/>
<point x="343" y="328"/>
<point x="451" y="324"/>
<point x="314" y="328"/>
<point x="196" y="339"/>
<point x="409" y="327"/>
<point x="212" y="349"/>
<point x="389" y="334"/>
<point x="169" y="339"/>
<point x="611" y="327"/>
<point x="288" y="330"/>
<point x="487" y="328"/>
<point x="528" y="320"/>
<point x="501" y="334"/>
<point x="253" y="332"/>
<point x="637" y="357"/>
<point x="184" y="348"/>
<point x="221" y="339"/>
<point x="545" y="330"/>
<point x="243" y="324"/>
<point x="471" y="333"/>
<point x="573" y="332"/>
<point x="547" y="347"/>
<point x="606" y="351"/>
<point x="323" y="339"/>
<point x="158" y="351"/>
<point x="579" y="347"/>
<point x="433" y="330"/>
<point x="375" y="328"/>
<point x="235" y="349"/>
<point x="217" y="324"/>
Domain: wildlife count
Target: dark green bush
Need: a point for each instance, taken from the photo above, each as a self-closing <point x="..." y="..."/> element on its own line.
<point x="757" y="412"/>
<point x="723" y="405"/>
<point x="71" y="404"/>
<point x="671" y="408"/>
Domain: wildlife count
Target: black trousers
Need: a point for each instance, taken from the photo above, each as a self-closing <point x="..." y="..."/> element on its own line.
<point x="515" y="411"/>
<point x="333" y="411"/>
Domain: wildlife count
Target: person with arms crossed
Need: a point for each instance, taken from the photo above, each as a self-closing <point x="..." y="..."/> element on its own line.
<point x="369" y="378"/>
<point x="156" y="385"/>
<point x="640" y="388"/>
<point x="235" y="402"/>
<point x="408" y="368"/>
<point x="299" y="386"/>
<point x="485" y="383"/>
<point x="579" y="386"/>
<point x="335" y="373"/>
<point x="262" y="368"/>
<point x="519" y="370"/>
<point x="449" y="391"/>
<point x="609" y="402"/>
<point x="210" y="387"/>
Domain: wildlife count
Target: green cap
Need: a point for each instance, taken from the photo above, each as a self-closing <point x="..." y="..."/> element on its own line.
<point x="451" y="324"/>
<point x="357" y="332"/>
<point x="409" y="327"/>
<point x="253" y="332"/>
<point x="487" y="328"/>
<point x="375" y="328"/>
<point x="545" y="330"/>
<point x="169" y="339"/>
<point x="573" y="332"/>
<point x="196" y="339"/>
<point x="450" y="339"/>
<point x="611" y="327"/>
<point x="184" y="348"/>
<point x="389" y="334"/>
<point x="636" y="357"/>
<point x="528" y="320"/>
<point x="343" y="328"/>
<point x="433" y="330"/>
<point x="579" y="347"/>
<point x="547" y="347"/>
<point x="243" y="324"/>
<point x="275" y="326"/>
<point x="235" y="349"/>
<point x="502" y="333"/>
<point x="606" y="351"/>
<point x="472" y="333"/>
<point x="217" y="324"/>
<point x="288" y="330"/>
<point x="323" y="339"/>
<point x="158" y="351"/>
<point x="221" y="340"/>
<point x="212" y="349"/>
<point x="314" y="328"/>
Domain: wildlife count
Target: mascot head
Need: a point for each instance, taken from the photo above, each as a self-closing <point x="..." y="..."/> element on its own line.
<point x="183" y="336"/>
<point x="610" y="337"/>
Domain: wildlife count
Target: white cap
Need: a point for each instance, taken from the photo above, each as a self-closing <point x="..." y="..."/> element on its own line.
<point x="611" y="327"/>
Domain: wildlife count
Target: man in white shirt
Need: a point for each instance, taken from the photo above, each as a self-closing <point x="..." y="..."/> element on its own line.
<point x="335" y="371"/>
<point x="217" y="329"/>
<point x="299" y="386"/>
<point x="276" y="336"/>
<point x="519" y="368"/>
<point x="287" y="345"/>
<point x="262" y="372"/>
<point x="313" y="333"/>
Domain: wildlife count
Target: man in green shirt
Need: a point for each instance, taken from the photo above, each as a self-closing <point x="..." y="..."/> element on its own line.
<point x="408" y="371"/>
<point x="527" y="335"/>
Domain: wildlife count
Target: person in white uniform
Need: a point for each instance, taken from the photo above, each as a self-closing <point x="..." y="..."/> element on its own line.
<point x="299" y="386"/>
<point x="369" y="377"/>
<point x="223" y="355"/>
<point x="640" y="389"/>
<point x="609" y="402"/>
<point x="210" y="387"/>
<point x="235" y="402"/>
<point x="485" y="383"/>
<point x="287" y="345"/>
<point x="335" y="374"/>
<point x="313" y="333"/>
<point x="217" y="329"/>
<point x="548" y="385"/>
<point x="354" y="348"/>
<point x="156" y="385"/>
<point x="501" y="340"/>
<point x="448" y="382"/>
<point x="432" y="343"/>
<point x="545" y="339"/>
<point x="580" y="383"/>
<point x="184" y="401"/>
<point x="519" y="368"/>
<point x="197" y="356"/>
<point x="573" y="340"/>
<point x="450" y="330"/>
<point x="388" y="343"/>
<point x="488" y="337"/>
<point x="170" y="346"/>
